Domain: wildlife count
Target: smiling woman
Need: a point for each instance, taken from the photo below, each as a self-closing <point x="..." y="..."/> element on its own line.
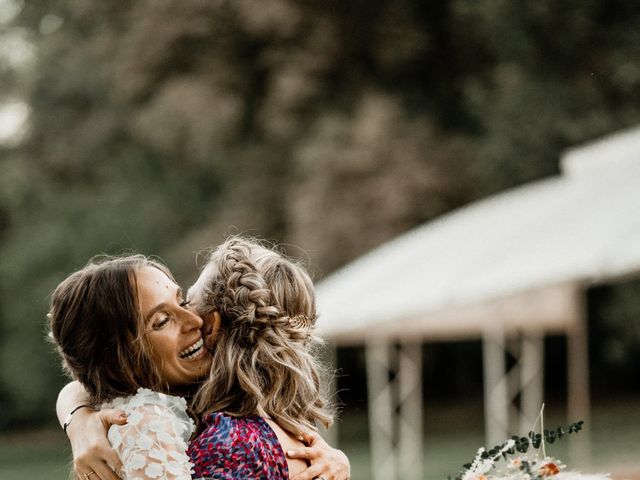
<point x="125" y="333"/>
<point x="121" y="324"/>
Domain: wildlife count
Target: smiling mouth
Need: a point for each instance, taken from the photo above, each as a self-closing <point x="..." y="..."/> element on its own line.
<point x="191" y="352"/>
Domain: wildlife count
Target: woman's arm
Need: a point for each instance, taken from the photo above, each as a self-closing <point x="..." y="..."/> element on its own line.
<point x="71" y="395"/>
<point x="87" y="432"/>
<point x="153" y="443"/>
<point x="326" y="462"/>
<point x="92" y="451"/>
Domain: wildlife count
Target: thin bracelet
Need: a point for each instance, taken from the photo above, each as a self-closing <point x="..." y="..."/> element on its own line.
<point x="67" y="420"/>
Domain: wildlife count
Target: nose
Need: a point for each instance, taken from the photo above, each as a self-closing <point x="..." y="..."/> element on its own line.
<point x="190" y="321"/>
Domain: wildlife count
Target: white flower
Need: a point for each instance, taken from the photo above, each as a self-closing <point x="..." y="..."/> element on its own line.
<point x="137" y="461"/>
<point x="136" y="401"/>
<point x="115" y="437"/>
<point x="134" y="417"/>
<point x="144" y="442"/>
<point x="166" y="438"/>
<point x="174" y="468"/>
<point x="154" y="470"/>
<point x="158" y="454"/>
<point x="157" y="424"/>
<point x="179" y="456"/>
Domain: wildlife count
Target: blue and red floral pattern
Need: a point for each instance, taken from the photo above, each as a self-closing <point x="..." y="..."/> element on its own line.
<point x="232" y="448"/>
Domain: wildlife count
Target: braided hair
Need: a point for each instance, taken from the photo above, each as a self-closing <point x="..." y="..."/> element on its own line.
<point x="263" y="359"/>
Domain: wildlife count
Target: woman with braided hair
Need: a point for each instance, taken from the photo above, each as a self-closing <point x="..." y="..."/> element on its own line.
<point x="122" y="324"/>
<point x="264" y="377"/>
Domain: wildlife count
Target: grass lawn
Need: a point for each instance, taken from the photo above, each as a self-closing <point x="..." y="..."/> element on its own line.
<point x="453" y="435"/>
<point x="41" y="455"/>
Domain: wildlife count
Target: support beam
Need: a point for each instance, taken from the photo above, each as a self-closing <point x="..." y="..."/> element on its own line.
<point x="513" y="377"/>
<point x="381" y="414"/>
<point x="531" y="379"/>
<point x="496" y="405"/>
<point x="410" y="442"/>
<point x="578" y="402"/>
<point x="513" y="396"/>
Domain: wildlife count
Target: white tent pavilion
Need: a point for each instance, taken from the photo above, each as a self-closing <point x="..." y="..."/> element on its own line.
<point x="509" y="270"/>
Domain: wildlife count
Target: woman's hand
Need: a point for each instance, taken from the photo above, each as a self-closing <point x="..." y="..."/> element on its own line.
<point x="326" y="462"/>
<point x="91" y="449"/>
<point x="87" y="431"/>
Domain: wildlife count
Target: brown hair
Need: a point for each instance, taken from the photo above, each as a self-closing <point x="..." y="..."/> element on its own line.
<point x="263" y="359"/>
<point x="96" y="323"/>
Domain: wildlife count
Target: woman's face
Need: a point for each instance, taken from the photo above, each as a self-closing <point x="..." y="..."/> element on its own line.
<point x="172" y="329"/>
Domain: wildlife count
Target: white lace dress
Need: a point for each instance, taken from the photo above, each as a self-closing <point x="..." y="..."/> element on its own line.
<point x="153" y="443"/>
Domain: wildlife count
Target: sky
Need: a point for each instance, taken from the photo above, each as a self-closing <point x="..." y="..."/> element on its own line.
<point x="16" y="53"/>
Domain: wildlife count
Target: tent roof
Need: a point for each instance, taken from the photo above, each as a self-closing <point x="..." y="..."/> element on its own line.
<point x="520" y="257"/>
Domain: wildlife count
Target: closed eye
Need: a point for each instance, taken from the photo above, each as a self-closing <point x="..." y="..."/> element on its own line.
<point x="161" y="323"/>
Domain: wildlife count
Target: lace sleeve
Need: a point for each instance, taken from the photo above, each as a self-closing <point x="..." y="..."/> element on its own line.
<point x="153" y="443"/>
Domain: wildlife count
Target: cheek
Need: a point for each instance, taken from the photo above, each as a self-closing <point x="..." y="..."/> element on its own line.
<point x="161" y="347"/>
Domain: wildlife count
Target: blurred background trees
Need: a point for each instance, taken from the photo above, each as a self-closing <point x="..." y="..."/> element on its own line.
<point x="159" y="126"/>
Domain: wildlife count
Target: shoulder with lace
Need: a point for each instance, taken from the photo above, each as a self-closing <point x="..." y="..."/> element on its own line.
<point x="153" y="442"/>
<point x="144" y="396"/>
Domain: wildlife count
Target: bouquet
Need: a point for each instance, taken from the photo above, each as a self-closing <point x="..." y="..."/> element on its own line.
<point x="515" y="460"/>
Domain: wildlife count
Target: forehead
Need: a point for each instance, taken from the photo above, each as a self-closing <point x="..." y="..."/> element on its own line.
<point x="154" y="287"/>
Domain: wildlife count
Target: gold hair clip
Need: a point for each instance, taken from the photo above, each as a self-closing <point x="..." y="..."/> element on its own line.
<point x="301" y="321"/>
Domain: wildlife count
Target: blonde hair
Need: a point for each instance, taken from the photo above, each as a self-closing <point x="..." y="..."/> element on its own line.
<point x="263" y="359"/>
